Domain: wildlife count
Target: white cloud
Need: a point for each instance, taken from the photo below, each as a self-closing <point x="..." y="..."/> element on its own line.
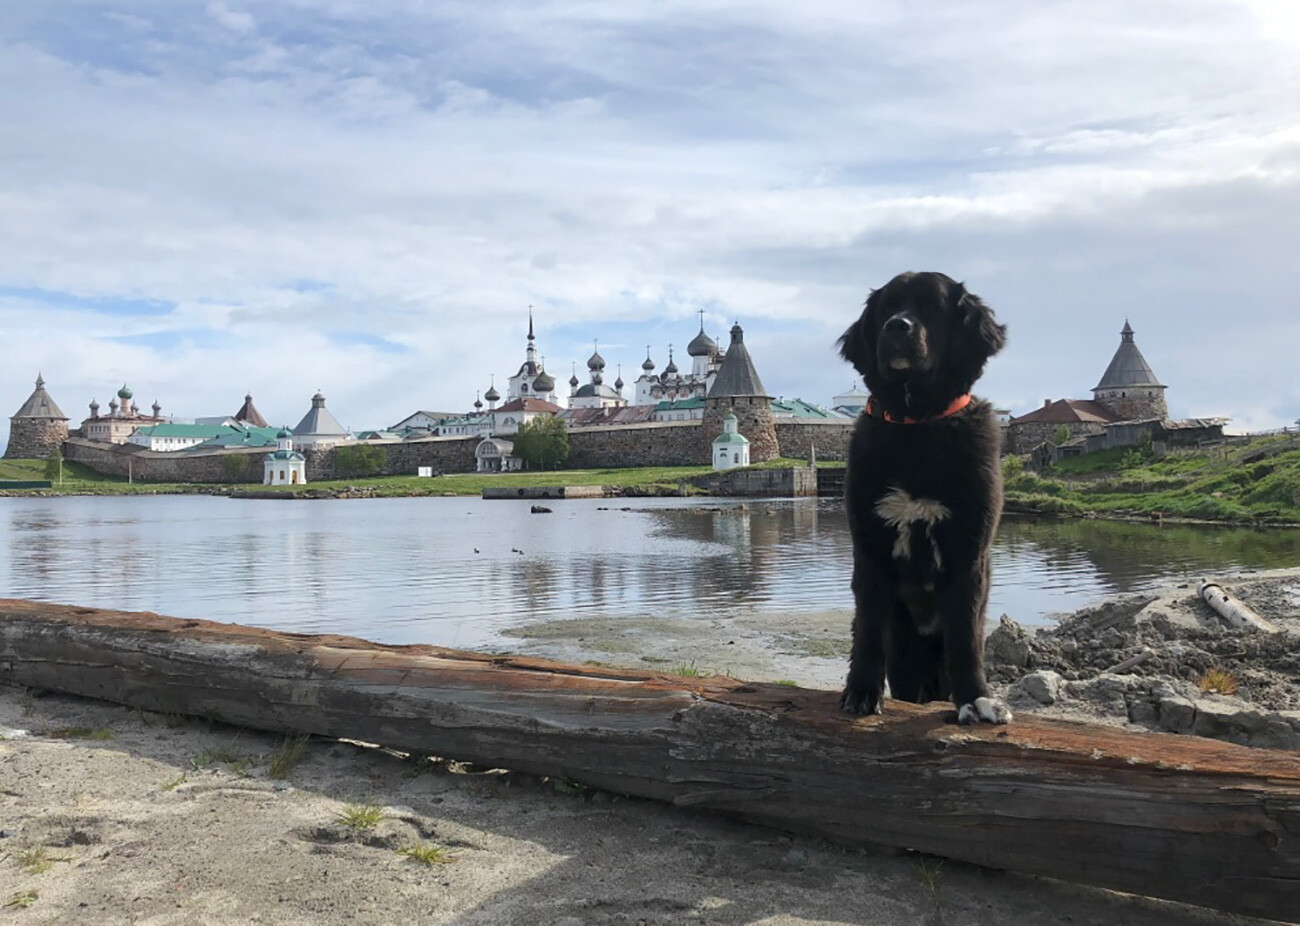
<point x="421" y="173"/>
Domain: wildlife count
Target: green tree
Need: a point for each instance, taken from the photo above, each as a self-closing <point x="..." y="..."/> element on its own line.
<point x="543" y="442"/>
<point x="1060" y="435"/>
<point x="359" y="460"/>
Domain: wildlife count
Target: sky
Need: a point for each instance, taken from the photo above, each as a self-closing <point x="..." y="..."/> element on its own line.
<point x="364" y="197"/>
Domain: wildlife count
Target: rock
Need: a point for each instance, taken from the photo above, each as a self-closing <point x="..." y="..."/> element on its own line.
<point x="796" y="858"/>
<point x="1042" y="686"/>
<point x="540" y="509"/>
<point x="1008" y="644"/>
<point x="1176" y="714"/>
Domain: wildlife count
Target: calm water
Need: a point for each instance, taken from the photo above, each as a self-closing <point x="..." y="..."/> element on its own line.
<point x="455" y="572"/>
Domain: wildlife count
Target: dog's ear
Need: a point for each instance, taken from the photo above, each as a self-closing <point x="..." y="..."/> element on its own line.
<point x="977" y="318"/>
<point x="858" y="344"/>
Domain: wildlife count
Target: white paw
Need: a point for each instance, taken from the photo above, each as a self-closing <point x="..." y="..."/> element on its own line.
<point x="985" y="709"/>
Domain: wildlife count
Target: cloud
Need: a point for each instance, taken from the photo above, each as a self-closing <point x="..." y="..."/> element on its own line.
<point x="365" y="197"/>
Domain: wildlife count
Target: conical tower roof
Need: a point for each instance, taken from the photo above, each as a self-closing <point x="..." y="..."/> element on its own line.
<point x="737" y="375"/>
<point x="40" y="405"/>
<point x="1128" y="367"/>
<point x="249" y="414"/>
<point x="320" y="420"/>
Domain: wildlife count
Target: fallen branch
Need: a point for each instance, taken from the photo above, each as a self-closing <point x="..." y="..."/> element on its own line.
<point x="1188" y="819"/>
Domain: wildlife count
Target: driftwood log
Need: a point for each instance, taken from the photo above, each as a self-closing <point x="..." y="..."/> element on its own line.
<point x="1184" y="818"/>
<point x="1232" y="609"/>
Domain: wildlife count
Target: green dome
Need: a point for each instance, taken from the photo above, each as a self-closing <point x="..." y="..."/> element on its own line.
<point x="124" y="392"/>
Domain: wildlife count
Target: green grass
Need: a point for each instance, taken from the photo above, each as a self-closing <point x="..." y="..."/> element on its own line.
<point x="426" y="853"/>
<point x="361" y="816"/>
<point x="81" y="733"/>
<point x="23" y="899"/>
<point x="288" y="754"/>
<point x="171" y="784"/>
<point x="38" y="860"/>
<point x="1255" y="481"/>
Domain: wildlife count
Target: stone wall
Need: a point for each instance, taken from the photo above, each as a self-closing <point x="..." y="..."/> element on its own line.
<point x="1022" y="438"/>
<point x="793" y="482"/>
<point x="665" y="443"/>
<point x="232" y="465"/>
<point x="753" y="420"/>
<point x="669" y="443"/>
<point x="798" y="437"/>
<point x="35" y="438"/>
<point x="1134" y="402"/>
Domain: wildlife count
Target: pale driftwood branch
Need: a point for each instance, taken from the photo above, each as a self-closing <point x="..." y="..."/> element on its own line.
<point x="1233" y="610"/>
<point x="1133" y="661"/>
<point x="1184" y="818"/>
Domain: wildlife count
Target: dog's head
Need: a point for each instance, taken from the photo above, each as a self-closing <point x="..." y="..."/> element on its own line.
<point x="922" y="339"/>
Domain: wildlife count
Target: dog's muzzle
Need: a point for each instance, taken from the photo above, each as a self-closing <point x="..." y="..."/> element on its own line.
<point x="902" y="346"/>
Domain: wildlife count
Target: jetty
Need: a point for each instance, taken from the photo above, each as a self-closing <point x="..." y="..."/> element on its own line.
<point x="1178" y="817"/>
<point x="535" y="492"/>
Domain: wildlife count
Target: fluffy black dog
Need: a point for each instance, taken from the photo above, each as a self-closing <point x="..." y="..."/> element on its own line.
<point x="924" y="494"/>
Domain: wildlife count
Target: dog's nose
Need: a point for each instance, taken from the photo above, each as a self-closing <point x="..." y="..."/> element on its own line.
<point x="900" y="324"/>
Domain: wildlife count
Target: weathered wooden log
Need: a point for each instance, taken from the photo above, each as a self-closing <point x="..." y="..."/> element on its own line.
<point x="1236" y="612"/>
<point x="1184" y="818"/>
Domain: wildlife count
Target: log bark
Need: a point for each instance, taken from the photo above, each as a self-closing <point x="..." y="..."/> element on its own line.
<point x="1183" y="818"/>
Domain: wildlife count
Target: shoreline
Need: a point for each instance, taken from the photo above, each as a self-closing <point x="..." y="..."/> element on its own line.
<point x="111" y="815"/>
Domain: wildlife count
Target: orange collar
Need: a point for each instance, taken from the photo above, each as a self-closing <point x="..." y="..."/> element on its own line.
<point x="957" y="405"/>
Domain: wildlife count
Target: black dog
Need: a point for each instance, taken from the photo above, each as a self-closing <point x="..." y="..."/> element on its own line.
<point x="924" y="494"/>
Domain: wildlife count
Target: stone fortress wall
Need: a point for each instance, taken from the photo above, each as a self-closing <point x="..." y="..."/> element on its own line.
<point x="674" y="443"/>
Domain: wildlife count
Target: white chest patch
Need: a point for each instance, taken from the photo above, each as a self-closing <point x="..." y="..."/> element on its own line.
<point x="906" y="514"/>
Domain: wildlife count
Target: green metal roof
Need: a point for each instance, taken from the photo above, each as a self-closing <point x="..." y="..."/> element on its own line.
<point x="736" y="438"/>
<point x="205" y="431"/>
<point x="241" y="437"/>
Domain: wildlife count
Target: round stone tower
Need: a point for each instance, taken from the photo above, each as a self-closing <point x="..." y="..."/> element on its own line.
<point x="1129" y="388"/>
<point x="38" y="428"/>
<point x="738" y="391"/>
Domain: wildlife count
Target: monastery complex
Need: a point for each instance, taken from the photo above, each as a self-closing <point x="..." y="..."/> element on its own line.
<point x="715" y="411"/>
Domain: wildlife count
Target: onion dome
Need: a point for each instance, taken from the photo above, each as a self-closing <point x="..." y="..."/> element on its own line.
<point x="618" y="383"/>
<point x="596" y="361"/>
<point x="701" y="345"/>
<point x="124" y="392"/>
<point x="94" y="408"/>
<point x="478" y="404"/>
<point x="284" y="434"/>
<point x="573" y="380"/>
<point x="647" y="364"/>
<point x="544" y="383"/>
<point x="492" y="395"/>
<point x="156" y="408"/>
<point x="672" y="367"/>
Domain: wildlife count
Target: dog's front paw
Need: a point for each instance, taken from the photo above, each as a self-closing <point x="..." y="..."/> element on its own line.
<point x="988" y="710"/>
<point x="861" y="701"/>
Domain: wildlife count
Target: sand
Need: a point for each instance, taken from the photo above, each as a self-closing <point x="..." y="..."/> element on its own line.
<point x="110" y="815"/>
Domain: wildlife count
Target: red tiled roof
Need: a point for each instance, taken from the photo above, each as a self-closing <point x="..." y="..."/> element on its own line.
<point x="1068" y="411"/>
<point x="529" y="405"/>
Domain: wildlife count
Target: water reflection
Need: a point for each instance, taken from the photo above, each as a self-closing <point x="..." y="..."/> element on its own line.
<point x="458" y="571"/>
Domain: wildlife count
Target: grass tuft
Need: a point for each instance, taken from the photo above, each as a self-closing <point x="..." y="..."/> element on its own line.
<point x="171" y="784"/>
<point x="361" y="816"/>
<point x="689" y="671"/>
<point x="288" y="754"/>
<point x="1218" y="681"/>
<point x="22" y="900"/>
<point x="426" y="853"/>
<point x="38" y="860"/>
<point x="81" y="733"/>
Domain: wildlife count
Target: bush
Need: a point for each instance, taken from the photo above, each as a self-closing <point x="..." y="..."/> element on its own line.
<point x="359" y="460"/>
<point x="54" y="465"/>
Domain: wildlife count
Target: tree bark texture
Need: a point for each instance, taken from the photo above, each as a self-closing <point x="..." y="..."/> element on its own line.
<point x="1183" y="818"/>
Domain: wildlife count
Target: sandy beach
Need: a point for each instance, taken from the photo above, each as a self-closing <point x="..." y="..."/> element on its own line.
<point x="112" y="815"/>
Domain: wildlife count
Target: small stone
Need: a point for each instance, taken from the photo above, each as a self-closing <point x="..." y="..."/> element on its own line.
<point x="1043" y="686"/>
<point x="1008" y="644"/>
<point x="796" y="858"/>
